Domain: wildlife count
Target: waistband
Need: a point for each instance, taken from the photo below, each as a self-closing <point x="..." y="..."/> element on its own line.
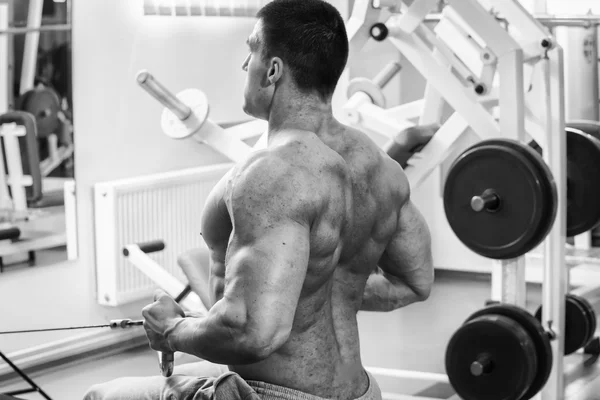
<point x="269" y="391"/>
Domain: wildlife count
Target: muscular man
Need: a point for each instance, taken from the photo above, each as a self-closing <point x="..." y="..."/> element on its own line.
<point x="302" y="236"/>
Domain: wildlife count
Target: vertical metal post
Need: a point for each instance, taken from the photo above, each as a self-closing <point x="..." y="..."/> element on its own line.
<point x="32" y="39"/>
<point x="555" y="273"/>
<point x="508" y="276"/>
<point x="580" y="49"/>
<point x="5" y="85"/>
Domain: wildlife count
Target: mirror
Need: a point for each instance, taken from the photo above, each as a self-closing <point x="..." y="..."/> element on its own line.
<point x="36" y="134"/>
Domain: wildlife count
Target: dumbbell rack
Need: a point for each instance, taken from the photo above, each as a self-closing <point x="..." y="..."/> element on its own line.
<point x="470" y="49"/>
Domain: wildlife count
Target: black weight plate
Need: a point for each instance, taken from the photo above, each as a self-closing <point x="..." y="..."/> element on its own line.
<point x="510" y="353"/>
<point x="44" y="104"/>
<point x="22" y="99"/>
<point x="506" y="167"/>
<point x="591" y="316"/>
<point x="551" y="193"/>
<point x="583" y="182"/>
<point x="577" y="324"/>
<point x="587" y="126"/>
<point x="538" y="335"/>
<point x="583" y="189"/>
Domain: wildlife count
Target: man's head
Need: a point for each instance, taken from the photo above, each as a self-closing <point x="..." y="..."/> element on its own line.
<point x="300" y="44"/>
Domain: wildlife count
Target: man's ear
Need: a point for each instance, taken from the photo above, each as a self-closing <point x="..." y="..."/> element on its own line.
<point x="275" y="71"/>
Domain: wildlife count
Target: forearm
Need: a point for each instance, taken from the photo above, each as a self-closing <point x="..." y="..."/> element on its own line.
<point x="214" y="337"/>
<point x="387" y="293"/>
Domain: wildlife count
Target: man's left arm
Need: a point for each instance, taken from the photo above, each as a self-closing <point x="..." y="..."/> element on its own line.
<point x="266" y="266"/>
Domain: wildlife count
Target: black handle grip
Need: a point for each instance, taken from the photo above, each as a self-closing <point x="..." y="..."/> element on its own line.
<point x="151" y="247"/>
<point x="187" y="290"/>
<point x="10" y="233"/>
<point x="148" y="247"/>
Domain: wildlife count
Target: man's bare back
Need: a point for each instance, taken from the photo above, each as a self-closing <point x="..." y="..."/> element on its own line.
<point x="349" y="196"/>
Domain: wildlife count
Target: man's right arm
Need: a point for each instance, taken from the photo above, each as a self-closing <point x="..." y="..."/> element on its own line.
<point x="405" y="274"/>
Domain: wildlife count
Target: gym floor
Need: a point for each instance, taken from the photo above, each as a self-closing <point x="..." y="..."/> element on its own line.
<point x="413" y="338"/>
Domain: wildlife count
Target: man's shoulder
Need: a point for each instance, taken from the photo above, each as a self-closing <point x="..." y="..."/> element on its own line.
<point x="266" y="165"/>
<point x="269" y="173"/>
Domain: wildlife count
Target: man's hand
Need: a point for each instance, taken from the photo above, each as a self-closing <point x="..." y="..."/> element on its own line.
<point x="161" y="317"/>
<point x="409" y="141"/>
<point x="195" y="314"/>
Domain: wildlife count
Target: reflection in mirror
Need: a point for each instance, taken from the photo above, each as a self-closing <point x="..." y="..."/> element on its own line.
<point x="37" y="208"/>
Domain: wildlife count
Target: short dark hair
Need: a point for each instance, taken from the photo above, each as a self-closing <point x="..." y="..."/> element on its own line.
<point x="310" y="37"/>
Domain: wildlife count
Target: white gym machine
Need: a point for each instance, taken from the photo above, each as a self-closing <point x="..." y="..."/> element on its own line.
<point x="471" y="53"/>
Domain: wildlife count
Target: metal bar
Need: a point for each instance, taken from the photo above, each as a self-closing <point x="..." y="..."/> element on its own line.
<point x="163" y="95"/>
<point x="404" y="374"/>
<point x="16" y="180"/>
<point x="359" y="25"/>
<point x="508" y="281"/>
<point x="396" y="396"/>
<point x="413" y="17"/>
<point x="441" y="145"/>
<point x="32" y="40"/>
<point x="25" y="377"/>
<point x="484" y="24"/>
<point x="45" y="28"/>
<point x="555" y="274"/>
<point x="157" y="274"/>
<point x="462" y="99"/>
<point x="549" y="20"/>
<point x="387" y="73"/>
<point x="19" y="391"/>
<point x="4" y="59"/>
<point x="69" y="11"/>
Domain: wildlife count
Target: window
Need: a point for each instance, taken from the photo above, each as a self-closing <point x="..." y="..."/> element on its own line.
<point x="208" y="8"/>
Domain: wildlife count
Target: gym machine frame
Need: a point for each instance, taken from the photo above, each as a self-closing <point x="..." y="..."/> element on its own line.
<point x="474" y="96"/>
<point x="471" y="96"/>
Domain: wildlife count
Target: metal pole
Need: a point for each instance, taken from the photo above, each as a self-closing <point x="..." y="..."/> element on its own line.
<point x="34" y="20"/>
<point x="549" y="20"/>
<point x="163" y="95"/>
<point x="4" y="61"/>
<point x="44" y="28"/>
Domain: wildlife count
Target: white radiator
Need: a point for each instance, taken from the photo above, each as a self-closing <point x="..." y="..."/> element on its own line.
<point x="164" y="207"/>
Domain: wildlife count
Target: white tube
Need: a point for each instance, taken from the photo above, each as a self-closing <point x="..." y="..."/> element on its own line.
<point x="222" y="141"/>
<point x="4" y="64"/>
<point x="439" y="147"/>
<point x="71" y="220"/>
<point x="16" y="180"/>
<point x="402" y="374"/>
<point x="163" y="279"/>
<point x="32" y="39"/>
<point x="555" y="273"/>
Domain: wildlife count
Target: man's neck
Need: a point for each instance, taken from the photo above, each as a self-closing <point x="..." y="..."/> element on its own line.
<point x="309" y="114"/>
